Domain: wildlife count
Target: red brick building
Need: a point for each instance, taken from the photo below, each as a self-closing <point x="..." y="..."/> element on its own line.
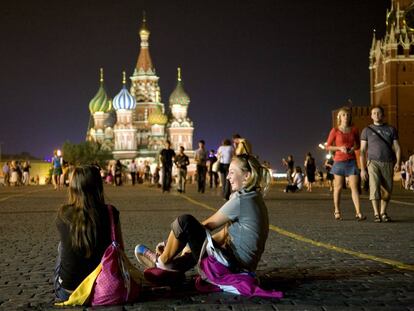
<point x="391" y="66"/>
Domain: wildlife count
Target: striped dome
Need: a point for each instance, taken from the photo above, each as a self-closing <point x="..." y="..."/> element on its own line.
<point x="101" y="102"/>
<point x="124" y="100"/>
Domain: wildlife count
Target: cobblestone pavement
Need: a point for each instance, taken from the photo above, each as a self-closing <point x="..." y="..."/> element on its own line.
<point x="319" y="263"/>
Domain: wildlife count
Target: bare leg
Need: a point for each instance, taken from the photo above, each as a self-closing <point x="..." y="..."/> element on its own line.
<point x="353" y="183"/>
<point x="172" y="248"/>
<point x="338" y="182"/>
<point x="375" y="206"/>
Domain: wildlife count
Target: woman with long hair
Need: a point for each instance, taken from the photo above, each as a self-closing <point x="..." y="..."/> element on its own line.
<point x="343" y="140"/>
<point x="84" y="229"/>
<point x="241" y="225"/>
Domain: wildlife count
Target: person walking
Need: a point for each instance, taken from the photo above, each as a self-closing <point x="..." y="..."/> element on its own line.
<point x="310" y="169"/>
<point x="26" y="173"/>
<point x="6" y="173"/>
<point x="380" y="141"/>
<point x="212" y="171"/>
<point x="343" y="140"/>
<point x="225" y="153"/>
<point x="166" y="158"/>
<point x="181" y="161"/>
<point x="118" y="173"/>
<point x="200" y="158"/>
<point x="132" y="167"/>
<point x="57" y="169"/>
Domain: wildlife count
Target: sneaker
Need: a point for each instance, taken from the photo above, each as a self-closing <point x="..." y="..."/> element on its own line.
<point x="145" y="256"/>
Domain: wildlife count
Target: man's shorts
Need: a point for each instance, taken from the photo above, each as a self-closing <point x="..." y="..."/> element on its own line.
<point x="345" y="168"/>
<point x="381" y="175"/>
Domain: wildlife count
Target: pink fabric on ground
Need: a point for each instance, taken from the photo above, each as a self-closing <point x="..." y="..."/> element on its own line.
<point x="244" y="283"/>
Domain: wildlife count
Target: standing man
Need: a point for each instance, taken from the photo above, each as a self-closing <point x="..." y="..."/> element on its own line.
<point x="380" y="141"/>
<point x="289" y="163"/>
<point x="166" y="158"/>
<point x="57" y="169"/>
<point x="201" y="160"/>
<point x="212" y="168"/>
<point x="132" y="167"/>
<point x="181" y="161"/>
<point x="241" y="145"/>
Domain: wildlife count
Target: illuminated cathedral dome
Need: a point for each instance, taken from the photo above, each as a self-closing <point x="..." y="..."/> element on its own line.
<point x="124" y="100"/>
<point x="179" y="96"/>
<point x="157" y="117"/>
<point x="101" y="101"/>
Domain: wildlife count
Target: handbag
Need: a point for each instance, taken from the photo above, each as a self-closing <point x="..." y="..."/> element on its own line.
<point x="114" y="281"/>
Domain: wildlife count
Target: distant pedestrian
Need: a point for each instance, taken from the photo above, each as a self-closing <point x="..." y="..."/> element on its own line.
<point x="329" y="176"/>
<point x="57" y="169"/>
<point x="212" y="169"/>
<point x="380" y="141"/>
<point x="6" y="173"/>
<point x="224" y="154"/>
<point x="26" y="173"/>
<point x="200" y="158"/>
<point x="132" y="167"/>
<point x="290" y="165"/>
<point x="166" y="158"/>
<point x="343" y="140"/>
<point x="118" y="173"/>
<point x="310" y="169"/>
<point x="181" y="161"/>
<point x="297" y="181"/>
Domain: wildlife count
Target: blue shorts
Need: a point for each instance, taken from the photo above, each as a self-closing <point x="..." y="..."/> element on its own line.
<point x="345" y="168"/>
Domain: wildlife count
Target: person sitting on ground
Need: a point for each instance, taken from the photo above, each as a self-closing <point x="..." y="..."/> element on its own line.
<point x="241" y="226"/>
<point x="84" y="230"/>
<point x="297" y="183"/>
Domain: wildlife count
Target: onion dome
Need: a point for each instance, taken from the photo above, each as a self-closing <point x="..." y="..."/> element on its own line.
<point x="101" y="102"/>
<point x="179" y="96"/>
<point x="124" y="100"/>
<point x="157" y="117"/>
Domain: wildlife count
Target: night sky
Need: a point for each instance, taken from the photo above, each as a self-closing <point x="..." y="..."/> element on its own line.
<point x="270" y="70"/>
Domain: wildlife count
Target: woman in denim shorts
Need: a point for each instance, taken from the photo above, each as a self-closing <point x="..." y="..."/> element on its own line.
<point x="343" y="141"/>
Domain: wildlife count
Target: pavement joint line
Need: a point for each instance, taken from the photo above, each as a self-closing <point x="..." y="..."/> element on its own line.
<point x="390" y="262"/>
<point x="21" y="194"/>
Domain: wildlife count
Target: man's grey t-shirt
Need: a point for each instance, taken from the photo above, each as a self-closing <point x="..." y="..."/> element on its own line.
<point x="249" y="227"/>
<point x="377" y="149"/>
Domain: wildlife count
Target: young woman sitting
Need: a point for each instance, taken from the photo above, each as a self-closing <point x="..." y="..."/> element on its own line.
<point x="84" y="230"/>
<point x="241" y="225"/>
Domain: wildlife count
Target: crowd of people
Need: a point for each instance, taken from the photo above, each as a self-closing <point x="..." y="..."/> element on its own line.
<point x="17" y="173"/>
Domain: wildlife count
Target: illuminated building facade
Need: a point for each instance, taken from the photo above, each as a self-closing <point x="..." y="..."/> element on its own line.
<point x="136" y="125"/>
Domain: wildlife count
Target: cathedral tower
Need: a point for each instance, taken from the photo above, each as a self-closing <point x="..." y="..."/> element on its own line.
<point x="391" y="66"/>
<point x="146" y="91"/>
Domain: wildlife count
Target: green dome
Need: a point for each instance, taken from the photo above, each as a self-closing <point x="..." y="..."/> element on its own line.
<point x="179" y="96"/>
<point x="101" y="101"/>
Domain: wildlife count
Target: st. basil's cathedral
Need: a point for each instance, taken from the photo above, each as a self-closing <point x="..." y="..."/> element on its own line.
<point x="135" y="124"/>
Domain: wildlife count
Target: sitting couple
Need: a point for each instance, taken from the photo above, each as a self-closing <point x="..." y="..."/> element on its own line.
<point x="241" y="228"/>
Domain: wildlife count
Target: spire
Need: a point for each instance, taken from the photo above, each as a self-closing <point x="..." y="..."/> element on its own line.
<point x="101" y="79"/>
<point x="123" y="78"/>
<point x="179" y="74"/>
<point x="374" y="40"/>
<point x="144" y="59"/>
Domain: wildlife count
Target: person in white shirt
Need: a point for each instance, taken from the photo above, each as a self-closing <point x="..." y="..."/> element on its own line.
<point x="297" y="183"/>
